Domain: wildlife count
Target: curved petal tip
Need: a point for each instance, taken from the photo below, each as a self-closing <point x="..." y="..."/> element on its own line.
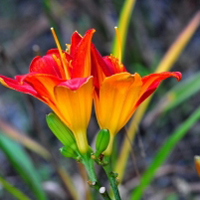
<point x="177" y="75"/>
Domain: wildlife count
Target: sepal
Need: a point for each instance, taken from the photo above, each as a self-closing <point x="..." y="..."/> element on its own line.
<point x="68" y="152"/>
<point x="61" y="131"/>
<point x="102" y="141"/>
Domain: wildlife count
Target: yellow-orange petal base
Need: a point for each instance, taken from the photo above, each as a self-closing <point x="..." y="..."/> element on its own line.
<point x="76" y="106"/>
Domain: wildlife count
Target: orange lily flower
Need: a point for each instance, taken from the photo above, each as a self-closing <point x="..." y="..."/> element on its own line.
<point x="62" y="80"/>
<point x="118" y="93"/>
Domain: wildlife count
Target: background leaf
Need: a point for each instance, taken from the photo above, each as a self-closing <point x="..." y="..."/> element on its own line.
<point x="23" y="165"/>
<point x="14" y="191"/>
<point x="123" y="24"/>
<point x="13" y="133"/>
<point x="163" y="153"/>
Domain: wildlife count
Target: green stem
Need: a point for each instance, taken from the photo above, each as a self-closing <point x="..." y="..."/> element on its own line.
<point x="93" y="182"/>
<point x="112" y="178"/>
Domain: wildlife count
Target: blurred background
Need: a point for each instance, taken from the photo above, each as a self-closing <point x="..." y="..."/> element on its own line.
<point x="34" y="159"/>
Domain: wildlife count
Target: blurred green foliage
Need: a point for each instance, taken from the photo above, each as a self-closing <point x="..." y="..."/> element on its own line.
<point x="153" y="26"/>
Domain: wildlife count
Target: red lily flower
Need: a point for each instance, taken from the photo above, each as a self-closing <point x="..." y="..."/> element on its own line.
<point x="118" y="93"/>
<point x="63" y="81"/>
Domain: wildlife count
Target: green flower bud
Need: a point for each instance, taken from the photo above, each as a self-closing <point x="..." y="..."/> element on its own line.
<point x="61" y="131"/>
<point x="102" y="141"/>
<point x="67" y="151"/>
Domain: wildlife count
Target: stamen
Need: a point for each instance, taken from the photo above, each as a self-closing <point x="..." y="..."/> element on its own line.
<point x="119" y="45"/>
<point x="68" y="48"/>
<point x="57" y="61"/>
<point x="61" y="53"/>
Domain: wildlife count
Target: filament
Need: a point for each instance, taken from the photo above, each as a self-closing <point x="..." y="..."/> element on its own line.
<point x="119" y="45"/>
<point x="61" y="53"/>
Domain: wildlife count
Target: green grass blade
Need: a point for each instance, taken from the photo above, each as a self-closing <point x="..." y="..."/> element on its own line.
<point x="23" y="165"/>
<point x="172" y="197"/>
<point x="47" y="6"/>
<point x="163" y="153"/>
<point x="12" y="190"/>
<point x="22" y="138"/>
<point x="123" y="26"/>
<point x="177" y="47"/>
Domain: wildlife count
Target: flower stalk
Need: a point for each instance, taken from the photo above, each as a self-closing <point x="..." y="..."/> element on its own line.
<point x="88" y="162"/>
<point x="112" y="177"/>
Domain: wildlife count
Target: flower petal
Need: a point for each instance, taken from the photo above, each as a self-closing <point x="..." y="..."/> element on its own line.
<point x="75" y="40"/>
<point x="116" y="100"/>
<point x="46" y="64"/>
<point x="32" y="84"/>
<point x="74" y="83"/>
<point x="152" y="81"/>
<point x="82" y="57"/>
<point x="43" y="83"/>
<point x="99" y="67"/>
<point x="104" y="66"/>
<point x="76" y="108"/>
<point x="17" y="85"/>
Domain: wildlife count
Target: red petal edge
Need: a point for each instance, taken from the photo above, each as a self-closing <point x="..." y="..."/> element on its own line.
<point x="81" y="55"/>
<point x="17" y="85"/>
<point x="75" y="40"/>
<point x="154" y="85"/>
<point x="74" y="83"/>
<point x="46" y="64"/>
